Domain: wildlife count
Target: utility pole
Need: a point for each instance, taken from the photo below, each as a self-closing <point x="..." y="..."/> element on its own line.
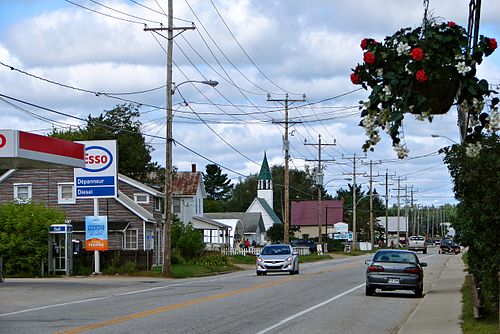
<point x="387" y="184"/>
<point x="354" y="160"/>
<point x="167" y="225"/>
<point x="319" y="184"/>
<point x="399" y="208"/>
<point x="371" y="200"/>
<point x="286" y="147"/>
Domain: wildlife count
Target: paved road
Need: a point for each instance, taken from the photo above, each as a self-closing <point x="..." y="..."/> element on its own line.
<point x="326" y="297"/>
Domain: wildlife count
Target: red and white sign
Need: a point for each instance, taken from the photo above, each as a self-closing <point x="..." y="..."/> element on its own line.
<point x="19" y="149"/>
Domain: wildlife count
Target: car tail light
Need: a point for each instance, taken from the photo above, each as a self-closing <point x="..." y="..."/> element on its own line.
<point x="412" y="270"/>
<point x="374" y="268"/>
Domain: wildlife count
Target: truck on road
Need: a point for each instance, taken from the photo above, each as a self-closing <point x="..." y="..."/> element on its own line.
<point x="417" y="244"/>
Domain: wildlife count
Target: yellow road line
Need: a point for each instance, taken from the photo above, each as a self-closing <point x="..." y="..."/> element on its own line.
<point x="191" y="302"/>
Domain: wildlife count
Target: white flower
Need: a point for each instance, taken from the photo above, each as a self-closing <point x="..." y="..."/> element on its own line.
<point x="407" y="69"/>
<point x="401" y="150"/>
<point x="472" y="150"/>
<point x="387" y="90"/>
<point x="462" y="68"/>
<point x="494" y="119"/>
<point x="380" y="72"/>
<point x="403" y="48"/>
<point x="460" y="57"/>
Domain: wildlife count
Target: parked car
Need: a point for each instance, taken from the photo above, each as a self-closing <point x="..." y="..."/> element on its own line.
<point x="392" y="269"/>
<point x="417" y="244"/>
<point x="430" y="242"/>
<point x="277" y="258"/>
<point x="305" y="243"/>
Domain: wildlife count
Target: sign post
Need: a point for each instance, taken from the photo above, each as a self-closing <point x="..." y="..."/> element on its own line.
<point x="98" y="179"/>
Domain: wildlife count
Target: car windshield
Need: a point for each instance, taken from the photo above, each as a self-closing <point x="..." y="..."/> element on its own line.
<point x="395" y="257"/>
<point x="276" y="250"/>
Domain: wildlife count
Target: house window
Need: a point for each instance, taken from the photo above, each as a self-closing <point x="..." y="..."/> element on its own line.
<point x="66" y="193"/>
<point x="159" y="204"/>
<point x="177" y="205"/>
<point x="22" y="192"/>
<point x="141" y="198"/>
<point x="131" y="239"/>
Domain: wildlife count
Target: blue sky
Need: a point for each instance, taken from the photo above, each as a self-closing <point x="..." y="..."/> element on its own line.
<point x="291" y="46"/>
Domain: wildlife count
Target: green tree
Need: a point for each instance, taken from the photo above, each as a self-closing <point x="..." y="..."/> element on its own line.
<point x="24" y="236"/>
<point x="134" y="154"/>
<point x="218" y="187"/>
<point x="275" y="233"/>
<point x="186" y="239"/>
<point x="477" y="221"/>
<point x="242" y="194"/>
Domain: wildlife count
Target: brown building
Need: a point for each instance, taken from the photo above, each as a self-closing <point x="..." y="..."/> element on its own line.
<point x="134" y="217"/>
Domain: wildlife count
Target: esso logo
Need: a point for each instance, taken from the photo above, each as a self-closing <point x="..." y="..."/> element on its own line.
<point x="3" y="140"/>
<point x="97" y="159"/>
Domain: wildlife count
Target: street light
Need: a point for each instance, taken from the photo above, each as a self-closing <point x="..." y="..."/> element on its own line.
<point x="167" y="226"/>
<point x="441" y="136"/>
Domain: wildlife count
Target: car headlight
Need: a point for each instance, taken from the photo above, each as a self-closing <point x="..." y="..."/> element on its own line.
<point x="289" y="259"/>
<point x="259" y="260"/>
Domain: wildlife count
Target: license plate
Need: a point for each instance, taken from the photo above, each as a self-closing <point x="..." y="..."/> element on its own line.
<point x="393" y="280"/>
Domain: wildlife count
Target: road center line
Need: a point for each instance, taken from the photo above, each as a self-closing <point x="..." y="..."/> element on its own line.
<point x="310" y="309"/>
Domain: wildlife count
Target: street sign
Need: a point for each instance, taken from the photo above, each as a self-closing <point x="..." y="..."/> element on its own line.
<point x="98" y="179"/>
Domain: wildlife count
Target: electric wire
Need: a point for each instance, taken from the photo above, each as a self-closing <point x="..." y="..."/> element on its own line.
<point x="246" y="54"/>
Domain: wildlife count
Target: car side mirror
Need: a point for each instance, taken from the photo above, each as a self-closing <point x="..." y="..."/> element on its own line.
<point x="295" y="253"/>
<point x="368" y="261"/>
<point x="423" y="264"/>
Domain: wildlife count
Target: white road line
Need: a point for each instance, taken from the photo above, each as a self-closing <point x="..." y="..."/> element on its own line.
<point x="310" y="309"/>
<point x="116" y="295"/>
<point x="54" y="305"/>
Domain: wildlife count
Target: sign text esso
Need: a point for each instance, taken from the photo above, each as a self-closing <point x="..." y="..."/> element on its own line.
<point x="3" y="140"/>
<point x="97" y="159"/>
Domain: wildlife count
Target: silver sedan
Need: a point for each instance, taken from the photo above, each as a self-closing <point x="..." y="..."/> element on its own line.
<point x="392" y="269"/>
<point x="277" y="258"/>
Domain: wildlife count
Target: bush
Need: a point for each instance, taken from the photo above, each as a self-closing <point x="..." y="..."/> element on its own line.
<point x="335" y="245"/>
<point x="213" y="260"/>
<point x="186" y="239"/>
<point x="24" y="237"/>
<point x="176" y="257"/>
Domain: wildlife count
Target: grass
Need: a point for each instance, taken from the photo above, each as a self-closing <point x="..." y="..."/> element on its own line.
<point x="486" y="325"/>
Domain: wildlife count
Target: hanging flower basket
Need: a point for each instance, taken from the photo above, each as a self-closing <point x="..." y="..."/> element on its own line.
<point x="439" y="95"/>
<point x="421" y="71"/>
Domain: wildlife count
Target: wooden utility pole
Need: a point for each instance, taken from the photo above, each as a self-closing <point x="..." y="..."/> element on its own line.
<point x="371" y="163"/>
<point x="319" y="184"/>
<point x="387" y="184"/>
<point x="286" y="147"/>
<point x="167" y="225"/>
<point x="354" y="160"/>
<point x="399" y="208"/>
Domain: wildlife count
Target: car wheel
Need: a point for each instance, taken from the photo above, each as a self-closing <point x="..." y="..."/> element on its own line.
<point x="418" y="292"/>
<point x="425" y="251"/>
<point x="258" y="273"/>
<point x="369" y="291"/>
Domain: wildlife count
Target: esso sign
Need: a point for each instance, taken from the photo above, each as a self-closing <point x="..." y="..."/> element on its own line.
<point x="97" y="159"/>
<point x="3" y="140"/>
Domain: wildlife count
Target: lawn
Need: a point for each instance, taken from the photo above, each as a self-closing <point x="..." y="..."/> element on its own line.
<point x="486" y="325"/>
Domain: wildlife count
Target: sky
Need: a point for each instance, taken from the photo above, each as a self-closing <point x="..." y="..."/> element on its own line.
<point x="81" y="57"/>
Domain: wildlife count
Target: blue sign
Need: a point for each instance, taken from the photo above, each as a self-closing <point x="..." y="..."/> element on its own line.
<point x="61" y="228"/>
<point x="99" y="177"/>
<point x="343" y="236"/>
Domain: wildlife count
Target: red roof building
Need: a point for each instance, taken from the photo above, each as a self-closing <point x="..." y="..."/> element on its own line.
<point x="304" y="214"/>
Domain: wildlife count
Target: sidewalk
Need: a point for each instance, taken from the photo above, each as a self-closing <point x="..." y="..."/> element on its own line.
<point x="440" y="310"/>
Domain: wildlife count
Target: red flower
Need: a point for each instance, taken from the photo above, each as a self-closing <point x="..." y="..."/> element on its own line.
<point x="364" y="43"/>
<point x="369" y="58"/>
<point x="417" y="54"/>
<point x="421" y="76"/>
<point x="355" y="79"/>
<point x="493" y="44"/>
<point x="451" y="24"/>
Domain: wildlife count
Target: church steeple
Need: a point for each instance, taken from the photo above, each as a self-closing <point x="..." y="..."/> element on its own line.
<point x="265" y="183"/>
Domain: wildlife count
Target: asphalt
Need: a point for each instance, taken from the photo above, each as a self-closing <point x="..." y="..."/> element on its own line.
<point x="440" y="310"/>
